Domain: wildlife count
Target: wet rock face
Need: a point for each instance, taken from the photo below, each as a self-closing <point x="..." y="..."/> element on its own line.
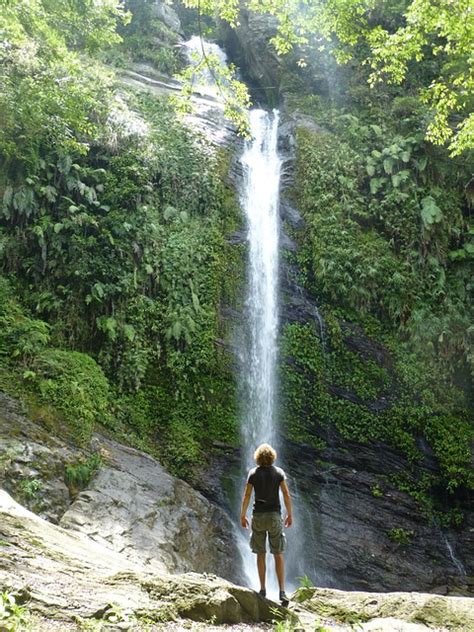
<point x="367" y="535"/>
<point x="132" y="504"/>
<point x="137" y="508"/>
<point x="32" y="462"/>
<point x="164" y="12"/>
<point x="248" y="46"/>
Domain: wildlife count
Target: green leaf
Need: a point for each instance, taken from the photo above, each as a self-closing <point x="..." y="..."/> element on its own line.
<point x="196" y="303"/>
<point x="388" y="165"/>
<point x="176" y="330"/>
<point x="169" y="212"/>
<point x="430" y="212"/>
<point x="421" y="163"/>
<point x="129" y="332"/>
<point x="396" y="179"/>
<point x="374" y="185"/>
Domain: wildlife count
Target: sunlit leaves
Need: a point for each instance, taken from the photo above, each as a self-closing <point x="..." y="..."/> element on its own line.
<point x="440" y="29"/>
<point x="430" y="212"/>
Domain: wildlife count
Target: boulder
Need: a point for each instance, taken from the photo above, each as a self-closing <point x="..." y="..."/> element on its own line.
<point x="402" y="611"/>
<point x="131" y="505"/>
<point x="63" y="576"/>
<point x="164" y="11"/>
<point x="63" y="580"/>
<point x="135" y="507"/>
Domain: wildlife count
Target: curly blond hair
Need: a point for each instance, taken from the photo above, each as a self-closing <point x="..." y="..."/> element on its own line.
<point x="265" y="455"/>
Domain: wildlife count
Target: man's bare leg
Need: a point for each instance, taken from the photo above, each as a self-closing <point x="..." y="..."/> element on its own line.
<point x="262" y="569"/>
<point x="280" y="570"/>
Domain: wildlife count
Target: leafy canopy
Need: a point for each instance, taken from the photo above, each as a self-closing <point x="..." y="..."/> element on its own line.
<point x="440" y="31"/>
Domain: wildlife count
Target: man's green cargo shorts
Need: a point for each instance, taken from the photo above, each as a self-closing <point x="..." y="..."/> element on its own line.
<point x="267" y="522"/>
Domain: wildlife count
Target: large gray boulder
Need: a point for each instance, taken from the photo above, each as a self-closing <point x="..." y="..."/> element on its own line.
<point x="131" y="505"/>
<point x="61" y="576"/>
<point x="136" y="508"/>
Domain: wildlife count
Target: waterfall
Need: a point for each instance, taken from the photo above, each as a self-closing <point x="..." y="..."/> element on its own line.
<point x="204" y="80"/>
<point x="260" y="201"/>
<point x="455" y="560"/>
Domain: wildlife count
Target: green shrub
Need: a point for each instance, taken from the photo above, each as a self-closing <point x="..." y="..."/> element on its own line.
<point x="401" y="536"/>
<point x="21" y="337"/>
<point x="81" y="473"/>
<point x="29" y="488"/>
<point x="12" y="616"/>
<point x="76" y="386"/>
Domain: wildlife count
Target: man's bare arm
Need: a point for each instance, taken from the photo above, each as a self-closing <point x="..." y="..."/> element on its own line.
<point x="288" y="504"/>
<point x="245" y="504"/>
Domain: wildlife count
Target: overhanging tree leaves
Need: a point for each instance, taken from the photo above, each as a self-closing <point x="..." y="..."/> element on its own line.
<point x="422" y="29"/>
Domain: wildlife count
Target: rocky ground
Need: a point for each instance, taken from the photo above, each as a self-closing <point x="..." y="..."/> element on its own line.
<point x="63" y="580"/>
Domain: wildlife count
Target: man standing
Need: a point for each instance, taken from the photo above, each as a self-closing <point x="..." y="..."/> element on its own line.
<point x="265" y="481"/>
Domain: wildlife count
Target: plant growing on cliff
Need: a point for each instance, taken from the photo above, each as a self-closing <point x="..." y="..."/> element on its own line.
<point x="29" y="488"/>
<point x="13" y="617"/>
<point x="401" y="536"/>
<point x="80" y="474"/>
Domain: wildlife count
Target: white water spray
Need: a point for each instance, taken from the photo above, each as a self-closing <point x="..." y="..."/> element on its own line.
<point x="260" y="198"/>
<point x="196" y="49"/>
<point x="260" y="201"/>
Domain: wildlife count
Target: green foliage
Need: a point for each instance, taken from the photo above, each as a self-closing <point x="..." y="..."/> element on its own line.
<point x="145" y="38"/>
<point x="76" y="386"/>
<point x="38" y="62"/>
<point x="376" y="491"/>
<point x="340" y="386"/>
<point x="122" y="254"/>
<point x="112" y="222"/>
<point x="382" y="246"/>
<point x="81" y="473"/>
<point x="391" y="39"/>
<point x="21" y="337"/>
<point x="305" y="582"/>
<point x="29" y="488"/>
<point x="13" y="617"/>
<point x="401" y="536"/>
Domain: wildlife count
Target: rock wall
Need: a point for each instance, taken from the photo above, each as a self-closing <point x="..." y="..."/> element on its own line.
<point x="132" y="505"/>
<point x="351" y="514"/>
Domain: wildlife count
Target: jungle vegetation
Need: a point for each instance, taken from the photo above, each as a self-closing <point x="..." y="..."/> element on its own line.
<point x="115" y="262"/>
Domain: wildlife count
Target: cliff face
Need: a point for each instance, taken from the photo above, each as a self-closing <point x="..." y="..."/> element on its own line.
<point x="360" y="522"/>
<point x="128" y="502"/>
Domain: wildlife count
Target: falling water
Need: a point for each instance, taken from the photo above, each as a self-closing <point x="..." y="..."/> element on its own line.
<point x="260" y="199"/>
<point x="455" y="560"/>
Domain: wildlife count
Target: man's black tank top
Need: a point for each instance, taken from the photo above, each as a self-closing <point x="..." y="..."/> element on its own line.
<point x="266" y="484"/>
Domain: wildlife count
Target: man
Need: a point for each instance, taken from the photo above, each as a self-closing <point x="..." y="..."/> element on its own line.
<point x="265" y="481"/>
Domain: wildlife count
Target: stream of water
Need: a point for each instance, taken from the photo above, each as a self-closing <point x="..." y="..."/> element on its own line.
<point x="259" y="196"/>
<point x="260" y="200"/>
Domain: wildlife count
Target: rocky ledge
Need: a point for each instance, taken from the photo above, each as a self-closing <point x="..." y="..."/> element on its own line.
<point x="62" y="580"/>
<point x="129" y="503"/>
